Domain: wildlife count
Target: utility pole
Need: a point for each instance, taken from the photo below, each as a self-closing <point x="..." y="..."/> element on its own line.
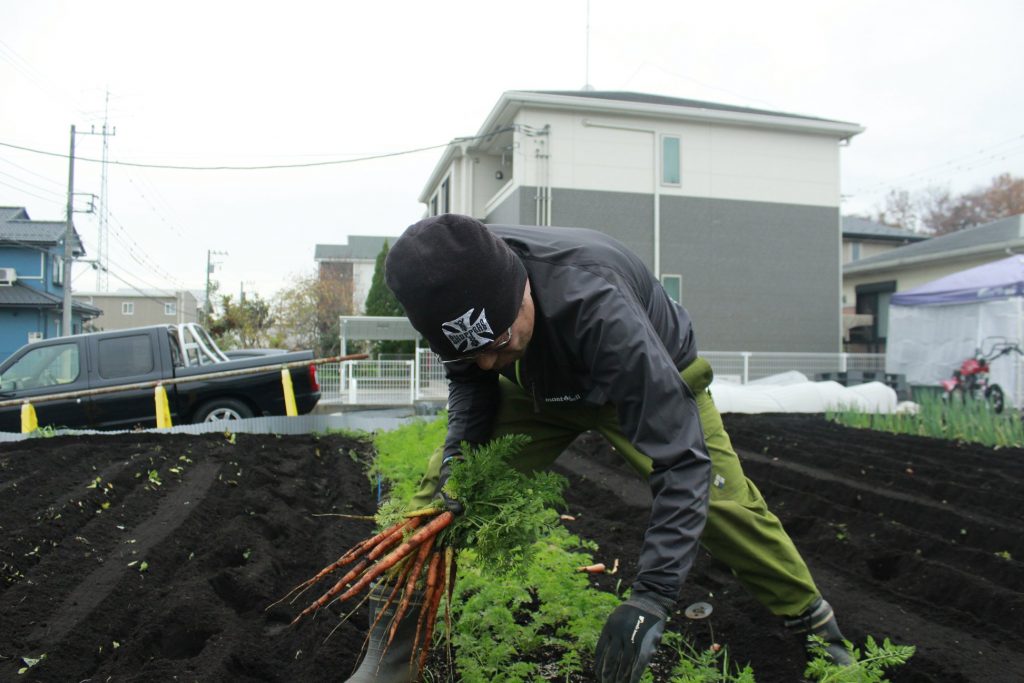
<point x="103" y="243"/>
<point x="69" y="232"/>
<point x="208" y="308"/>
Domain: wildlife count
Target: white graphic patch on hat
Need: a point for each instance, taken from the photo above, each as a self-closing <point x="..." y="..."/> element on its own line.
<point x="465" y="335"/>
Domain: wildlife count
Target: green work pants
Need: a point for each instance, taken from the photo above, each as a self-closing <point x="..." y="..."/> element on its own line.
<point x="741" y="531"/>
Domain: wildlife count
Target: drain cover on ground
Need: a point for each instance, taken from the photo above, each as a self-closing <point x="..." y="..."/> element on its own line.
<point x="699" y="610"/>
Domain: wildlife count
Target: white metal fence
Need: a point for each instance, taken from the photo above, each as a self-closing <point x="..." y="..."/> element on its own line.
<point x="404" y="382"/>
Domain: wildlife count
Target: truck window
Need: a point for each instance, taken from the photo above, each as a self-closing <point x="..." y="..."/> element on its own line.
<point x="177" y="359"/>
<point x="125" y="356"/>
<point x="43" y="367"/>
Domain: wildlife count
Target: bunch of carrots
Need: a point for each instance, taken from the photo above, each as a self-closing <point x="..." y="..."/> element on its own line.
<point x="504" y="514"/>
<point x="399" y="556"/>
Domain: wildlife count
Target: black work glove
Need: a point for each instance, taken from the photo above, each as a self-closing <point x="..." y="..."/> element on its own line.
<point x="629" y="638"/>
<point x="447" y="501"/>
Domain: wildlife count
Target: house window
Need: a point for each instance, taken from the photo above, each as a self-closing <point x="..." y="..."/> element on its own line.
<point x="127" y="308"/>
<point x="57" y="269"/>
<point x="170" y="309"/>
<point x="673" y="285"/>
<point x="446" y="196"/>
<point x="855" y="251"/>
<point x="669" y="160"/>
<point x="433" y="205"/>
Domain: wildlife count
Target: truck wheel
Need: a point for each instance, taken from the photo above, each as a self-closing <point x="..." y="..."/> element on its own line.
<point x="223" y="409"/>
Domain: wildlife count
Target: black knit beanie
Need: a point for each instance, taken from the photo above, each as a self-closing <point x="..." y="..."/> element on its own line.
<point x="459" y="284"/>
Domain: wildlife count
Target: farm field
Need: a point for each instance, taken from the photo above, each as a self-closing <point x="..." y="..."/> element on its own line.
<point x="145" y="557"/>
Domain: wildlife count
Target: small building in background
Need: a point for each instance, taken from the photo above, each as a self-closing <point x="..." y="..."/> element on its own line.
<point x="352" y="263"/>
<point x="863" y="238"/>
<point x="873" y="280"/>
<point x="126" y="308"/>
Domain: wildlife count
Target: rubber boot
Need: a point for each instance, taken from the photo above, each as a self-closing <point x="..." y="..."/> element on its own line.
<point x="391" y="665"/>
<point x="819" y="620"/>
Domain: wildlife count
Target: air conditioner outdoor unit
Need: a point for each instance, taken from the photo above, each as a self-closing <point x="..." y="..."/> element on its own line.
<point x="7" y="276"/>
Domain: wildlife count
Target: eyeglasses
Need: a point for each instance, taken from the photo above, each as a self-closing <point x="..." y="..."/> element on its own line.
<point x="496" y="345"/>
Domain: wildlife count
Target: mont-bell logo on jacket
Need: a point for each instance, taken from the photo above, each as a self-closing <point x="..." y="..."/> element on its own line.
<point x="466" y="335"/>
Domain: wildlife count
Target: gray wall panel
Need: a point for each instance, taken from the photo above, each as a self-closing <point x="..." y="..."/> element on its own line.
<point x="756" y="276"/>
<point x="517" y="209"/>
<point x="626" y="216"/>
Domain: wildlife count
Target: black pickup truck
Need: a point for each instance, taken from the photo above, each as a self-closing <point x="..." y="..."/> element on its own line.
<point x="104" y="361"/>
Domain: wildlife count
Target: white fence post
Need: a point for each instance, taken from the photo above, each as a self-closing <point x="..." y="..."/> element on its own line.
<point x="746" y="366"/>
<point x="353" y="385"/>
<point x="412" y="380"/>
<point x="842" y="361"/>
<point x="417" y="389"/>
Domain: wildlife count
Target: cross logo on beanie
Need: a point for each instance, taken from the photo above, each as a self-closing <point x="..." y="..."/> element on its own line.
<point x="465" y="335"/>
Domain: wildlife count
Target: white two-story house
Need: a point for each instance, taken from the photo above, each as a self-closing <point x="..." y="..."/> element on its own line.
<point x="736" y="210"/>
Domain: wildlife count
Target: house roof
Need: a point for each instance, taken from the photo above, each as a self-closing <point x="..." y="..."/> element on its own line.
<point x="614" y="102"/>
<point x="18" y="295"/>
<point x="999" y="236"/>
<point x="857" y="226"/>
<point x="11" y="212"/>
<point x="17" y="227"/>
<point x="359" y="247"/>
<point x="646" y="98"/>
<point x="169" y="295"/>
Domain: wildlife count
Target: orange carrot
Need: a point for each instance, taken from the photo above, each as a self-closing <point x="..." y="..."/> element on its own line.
<point x="592" y="568"/>
<point x="410" y="587"/>
<point x="348" y="557"/>
<point x="433" y="586"/>
<point x="432" y="606"/>
<point x="429" y="531"/>
<point x="363" y="545"/>
<point x="399" y="581"/>
<point x="393" y="539"/>
<point x="449" y="586"/>
<point x="337" y="588"/>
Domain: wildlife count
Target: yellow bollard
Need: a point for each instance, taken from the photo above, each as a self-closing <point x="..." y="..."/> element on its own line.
<point x="163" y="409"/>
<point x="289" y="393"/>
<point x="29" y="423"/>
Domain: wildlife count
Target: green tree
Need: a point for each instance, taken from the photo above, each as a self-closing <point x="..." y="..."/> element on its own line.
<point x="307" y="312"/>
<point x="246" y="324"/>
<point x="381" y="301"/>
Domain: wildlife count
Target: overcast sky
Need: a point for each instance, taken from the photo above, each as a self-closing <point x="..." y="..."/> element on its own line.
<point x="938" y="85"/>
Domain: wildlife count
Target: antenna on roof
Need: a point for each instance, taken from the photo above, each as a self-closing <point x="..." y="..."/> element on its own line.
<point x="586" y="81"/>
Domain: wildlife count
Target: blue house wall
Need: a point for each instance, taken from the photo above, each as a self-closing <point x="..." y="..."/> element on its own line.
<point x="35" y="250"/>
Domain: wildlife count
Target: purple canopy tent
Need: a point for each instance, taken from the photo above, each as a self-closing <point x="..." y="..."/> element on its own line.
<point x="932" y="328"/>
<point x="996" y="280"/>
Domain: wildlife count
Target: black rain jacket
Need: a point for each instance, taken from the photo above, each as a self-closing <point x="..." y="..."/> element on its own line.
<point x="605" y="331"/>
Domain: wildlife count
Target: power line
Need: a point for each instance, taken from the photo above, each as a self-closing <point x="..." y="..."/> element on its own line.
<point x="154" y="208"/>
<point x="31" y="194"/>
<point x="135" y="246"/>
<point x="973" y="164"/>
<point x="33" y="173"/>
<point x="309" y="164"/>
<point x="32" y="185"/>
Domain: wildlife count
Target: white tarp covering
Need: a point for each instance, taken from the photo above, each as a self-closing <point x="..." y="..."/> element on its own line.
<point x="927" y="343"/>
<point x="787" y="393"/>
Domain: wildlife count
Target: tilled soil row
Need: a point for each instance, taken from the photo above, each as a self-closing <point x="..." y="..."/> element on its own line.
<point x="154" y="557"/>
<point x="171" y="578"/>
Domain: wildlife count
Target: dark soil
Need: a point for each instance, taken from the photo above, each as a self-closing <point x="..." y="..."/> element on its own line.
<point x="913" y="539"/>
